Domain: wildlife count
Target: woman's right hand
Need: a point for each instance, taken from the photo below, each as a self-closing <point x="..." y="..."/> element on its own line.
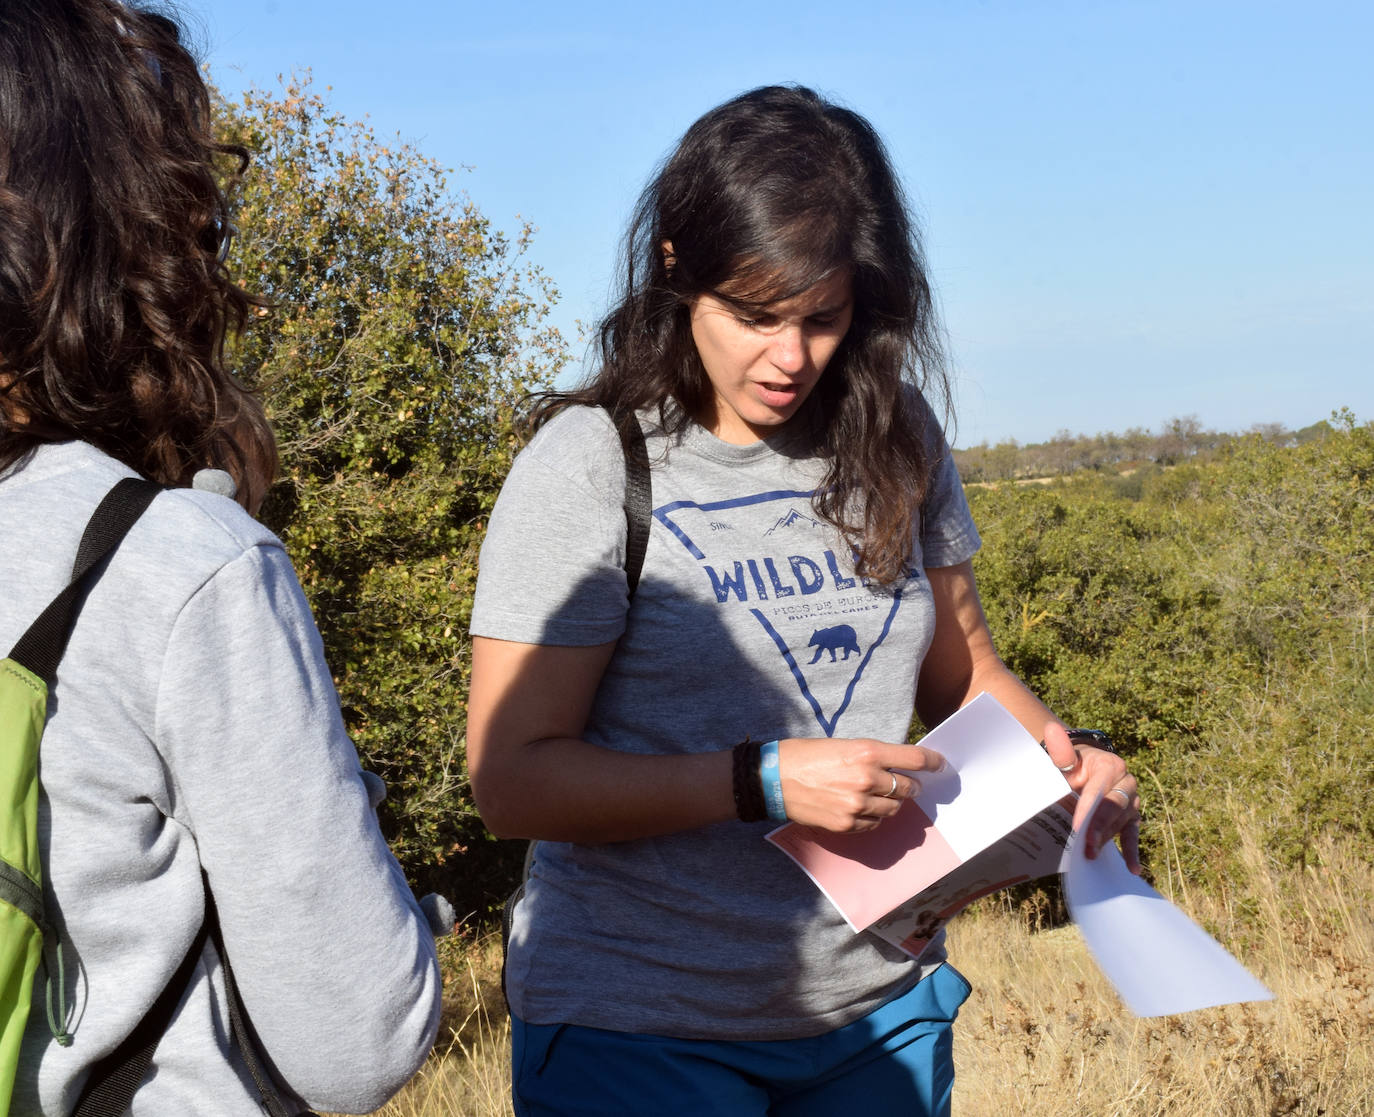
<point x="847" y="785"/>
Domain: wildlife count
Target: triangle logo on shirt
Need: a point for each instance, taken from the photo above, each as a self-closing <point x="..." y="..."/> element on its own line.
<point x="769" y="554"/>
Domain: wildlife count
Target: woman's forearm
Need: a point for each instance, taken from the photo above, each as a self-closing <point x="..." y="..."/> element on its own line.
<point x="566" y="789"/>
<point x="533" y="776"/>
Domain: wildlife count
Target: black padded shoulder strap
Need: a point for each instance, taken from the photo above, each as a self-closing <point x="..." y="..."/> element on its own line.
<point x="638" y="495"/>
<point x="240" y="1028"/>
<point x="113" y="1080"/>
<point x="40" y="648"/>
<point x="638" y="510"/>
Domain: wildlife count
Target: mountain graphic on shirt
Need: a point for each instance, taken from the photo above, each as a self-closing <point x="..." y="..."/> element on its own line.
<point x="793" y="518"/>
<point x="780" y="565"/>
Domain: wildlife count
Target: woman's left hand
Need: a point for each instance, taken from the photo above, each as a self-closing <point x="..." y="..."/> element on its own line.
<point x="1095" y="773"/>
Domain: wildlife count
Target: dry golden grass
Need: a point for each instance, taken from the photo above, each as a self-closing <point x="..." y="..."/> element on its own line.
<point x="469" y="1073"/>
<point x="1043" y="1033"/>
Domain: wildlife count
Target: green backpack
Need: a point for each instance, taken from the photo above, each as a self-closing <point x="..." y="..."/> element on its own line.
<point x="25" y="678"/>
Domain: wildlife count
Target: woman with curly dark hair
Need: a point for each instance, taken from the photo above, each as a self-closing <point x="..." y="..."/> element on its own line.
<point x="192" y="726"/>
<point x="114" y="299"/>
<point x="806" y="584"/>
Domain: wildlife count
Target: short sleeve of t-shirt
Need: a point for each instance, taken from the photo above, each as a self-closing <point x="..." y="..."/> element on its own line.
<point x="551" y="569"/>
<point x="948" y="535"/>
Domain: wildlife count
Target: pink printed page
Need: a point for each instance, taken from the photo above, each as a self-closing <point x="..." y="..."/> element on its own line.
<point x="867" y="875"/>
<point x="996" y="777"/>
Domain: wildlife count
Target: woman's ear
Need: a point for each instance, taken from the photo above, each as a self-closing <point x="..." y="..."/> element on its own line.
<point x="668" y="258"/>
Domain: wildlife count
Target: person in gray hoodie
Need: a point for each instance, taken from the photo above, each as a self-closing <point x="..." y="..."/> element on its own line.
<point x="193" y="725"/>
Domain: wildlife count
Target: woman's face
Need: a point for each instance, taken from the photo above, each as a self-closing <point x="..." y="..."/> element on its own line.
<point x="762" y="368"/>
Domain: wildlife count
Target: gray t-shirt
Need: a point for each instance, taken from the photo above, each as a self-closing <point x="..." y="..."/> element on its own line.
<point x="748" y="620"/>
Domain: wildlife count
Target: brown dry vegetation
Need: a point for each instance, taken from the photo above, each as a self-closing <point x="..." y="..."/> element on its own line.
<point x="1043" y="1033"/>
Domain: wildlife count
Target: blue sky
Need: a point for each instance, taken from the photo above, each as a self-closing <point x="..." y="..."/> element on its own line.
<point x="1134" y="211"/>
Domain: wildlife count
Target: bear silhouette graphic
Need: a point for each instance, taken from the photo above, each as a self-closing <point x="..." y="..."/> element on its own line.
<point x="838" y="638"/>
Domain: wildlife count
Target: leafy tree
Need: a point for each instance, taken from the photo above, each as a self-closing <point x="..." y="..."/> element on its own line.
<point x="400" y="333"/>
<point x="1179" y="441"/>
<point x="1316" y="431"/>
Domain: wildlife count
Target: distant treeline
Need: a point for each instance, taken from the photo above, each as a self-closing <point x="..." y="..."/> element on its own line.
<point x="1179" y="440"/>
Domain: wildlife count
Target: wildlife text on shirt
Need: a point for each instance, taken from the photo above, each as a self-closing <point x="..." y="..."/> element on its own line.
<point x="769" y="554"/>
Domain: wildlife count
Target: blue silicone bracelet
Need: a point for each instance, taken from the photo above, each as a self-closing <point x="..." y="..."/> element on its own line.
<point x="771" y="778"/>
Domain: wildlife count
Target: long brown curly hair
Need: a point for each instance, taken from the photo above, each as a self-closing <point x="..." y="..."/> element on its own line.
<point x="767" y="195"/>
<point x="114" y="299"/>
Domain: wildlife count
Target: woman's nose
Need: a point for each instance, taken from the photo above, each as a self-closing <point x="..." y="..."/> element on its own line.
<point x="788" y="352"/>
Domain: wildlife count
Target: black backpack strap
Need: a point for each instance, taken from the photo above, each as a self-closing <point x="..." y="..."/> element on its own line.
<point x="239" y="1026"/>
<point x="113" y="1080"/>
<point x="508" y="916"/>
<point x="638" y="496"/>
<point x="40" y="648"/>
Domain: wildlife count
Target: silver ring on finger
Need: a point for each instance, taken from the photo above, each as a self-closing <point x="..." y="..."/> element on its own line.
<point x="891" y="793"/>
<point x="1125" y="796"/>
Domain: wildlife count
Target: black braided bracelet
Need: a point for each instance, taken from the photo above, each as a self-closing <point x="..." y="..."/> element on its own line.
<point x="1094" y="738"/>
<point x="746" y="781"/>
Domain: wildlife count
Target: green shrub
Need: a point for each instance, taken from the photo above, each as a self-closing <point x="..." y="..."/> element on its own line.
<point x="402" y="333"/>
<point x="1217" y="621"/>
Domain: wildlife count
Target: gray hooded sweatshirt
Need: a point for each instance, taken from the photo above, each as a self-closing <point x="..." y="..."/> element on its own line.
<point x="194" y="723"/>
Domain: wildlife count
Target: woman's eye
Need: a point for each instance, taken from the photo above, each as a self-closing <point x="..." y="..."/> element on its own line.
<point x="825" y="321"/>
<point x="760" y="322"/>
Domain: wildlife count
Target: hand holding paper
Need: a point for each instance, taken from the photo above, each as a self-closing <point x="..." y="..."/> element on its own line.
<point x="990" y="783"/>
<point x="997" y="815"/>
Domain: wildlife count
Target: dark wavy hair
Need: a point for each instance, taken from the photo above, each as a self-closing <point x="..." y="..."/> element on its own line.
<point x="766" y="196"/>
<point x="114" y="299"/>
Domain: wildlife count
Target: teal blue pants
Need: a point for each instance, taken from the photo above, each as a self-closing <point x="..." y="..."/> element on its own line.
<point x="897" y="1060"/>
